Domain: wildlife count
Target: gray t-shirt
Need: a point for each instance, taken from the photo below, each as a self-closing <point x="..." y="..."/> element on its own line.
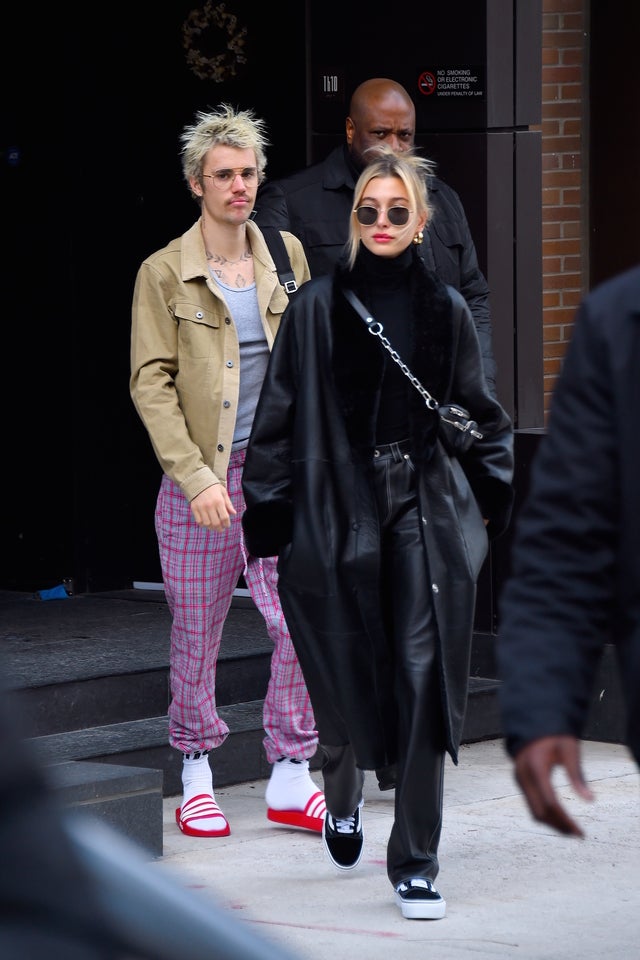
<point x="254" y="355"/>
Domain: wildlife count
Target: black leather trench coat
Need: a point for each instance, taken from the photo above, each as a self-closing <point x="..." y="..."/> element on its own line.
<point x="309" y="500"/>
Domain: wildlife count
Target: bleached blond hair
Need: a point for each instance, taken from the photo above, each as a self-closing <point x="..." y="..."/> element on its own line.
<point x="225" y="126"/>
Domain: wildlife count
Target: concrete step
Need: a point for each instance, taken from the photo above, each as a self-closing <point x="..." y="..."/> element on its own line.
<point x="127" y="798"/>
<point x="144" y="743"/>
<point x="95" y="659"/>
<point x="92" y="675"/>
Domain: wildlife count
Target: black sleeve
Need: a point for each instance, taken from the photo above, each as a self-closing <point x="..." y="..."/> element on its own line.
<point x="557" y="606"/>
<point x="266" y="476"/>
<point x="456" y="262"/>
<point x="271" y="207"/>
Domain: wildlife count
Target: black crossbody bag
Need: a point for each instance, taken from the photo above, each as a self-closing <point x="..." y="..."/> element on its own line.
<point x="457" y="430"/>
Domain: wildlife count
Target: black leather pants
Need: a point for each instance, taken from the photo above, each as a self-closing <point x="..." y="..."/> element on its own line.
<point x="412" y="850"/>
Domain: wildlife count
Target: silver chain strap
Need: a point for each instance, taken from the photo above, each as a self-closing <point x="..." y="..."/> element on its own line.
<point x="464" y="424"/>
<point x="375" y="327"/>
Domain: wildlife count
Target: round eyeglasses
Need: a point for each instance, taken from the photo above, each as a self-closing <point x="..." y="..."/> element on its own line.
<point x="398" y="216"/>
<point x="224" y="178"/>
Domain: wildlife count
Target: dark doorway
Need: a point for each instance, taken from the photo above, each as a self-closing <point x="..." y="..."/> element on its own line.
<point x="91" y="184"/>
<point x="614" y="139"/>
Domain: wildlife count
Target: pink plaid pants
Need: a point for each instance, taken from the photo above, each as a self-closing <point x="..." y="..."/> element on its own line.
<point x="200" y="570"/>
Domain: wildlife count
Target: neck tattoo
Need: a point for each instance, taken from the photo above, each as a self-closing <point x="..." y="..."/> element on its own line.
<point x="224" y="261"/>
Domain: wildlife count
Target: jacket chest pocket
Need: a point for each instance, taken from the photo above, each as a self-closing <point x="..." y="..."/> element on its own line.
<point x="447" y="243"/>
<point x="326" y="233"/>
<point x="197" y="328"/>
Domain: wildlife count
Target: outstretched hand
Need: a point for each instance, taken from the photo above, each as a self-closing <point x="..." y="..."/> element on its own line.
<point x="534" y="765"/>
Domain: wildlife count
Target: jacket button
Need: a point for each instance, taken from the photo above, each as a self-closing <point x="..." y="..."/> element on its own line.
<point x="199" y="315"/>
<point x="435" y="588"/>
<point x="220" y="447"/>
<point x="229" y="363"/>
<point x="226" y="403"/>
<point x="227" y="319"/>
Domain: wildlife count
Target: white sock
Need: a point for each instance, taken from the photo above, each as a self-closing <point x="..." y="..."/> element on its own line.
<point x="290" y="786"/>
<point x="196" y="779"/>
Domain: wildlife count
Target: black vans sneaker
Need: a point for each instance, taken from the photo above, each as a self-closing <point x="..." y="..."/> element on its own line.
<point x="343" y="839"/>
<point x="419" y="900"/>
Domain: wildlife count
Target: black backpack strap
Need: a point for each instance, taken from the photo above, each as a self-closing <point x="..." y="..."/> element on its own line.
<point x="280" y="256"/>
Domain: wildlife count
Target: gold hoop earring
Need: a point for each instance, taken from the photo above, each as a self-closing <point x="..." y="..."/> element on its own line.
<point x="419" y="237"/>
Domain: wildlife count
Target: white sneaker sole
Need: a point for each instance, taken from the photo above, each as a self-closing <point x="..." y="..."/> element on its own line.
<point x="422" y="909"/>
<point x="340" y="866"/>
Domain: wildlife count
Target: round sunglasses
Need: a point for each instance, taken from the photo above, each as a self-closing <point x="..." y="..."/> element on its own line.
<point x="397" y="216"/>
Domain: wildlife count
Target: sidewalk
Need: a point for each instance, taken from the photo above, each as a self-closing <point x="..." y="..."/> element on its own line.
<point x="513" y="888"/>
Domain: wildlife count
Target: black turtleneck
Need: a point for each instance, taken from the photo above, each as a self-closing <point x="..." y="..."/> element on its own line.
<point x="386" y="295"/>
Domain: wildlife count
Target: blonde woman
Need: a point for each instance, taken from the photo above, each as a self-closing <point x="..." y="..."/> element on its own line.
<point x="380" y="533"/>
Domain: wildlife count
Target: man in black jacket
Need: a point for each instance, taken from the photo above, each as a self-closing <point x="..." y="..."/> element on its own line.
<point x="574" y="583"/>
<point x="315" y="203"/>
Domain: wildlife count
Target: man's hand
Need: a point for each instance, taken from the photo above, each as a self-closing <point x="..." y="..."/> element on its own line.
<point x="534" y="765"/>
<point x="213" y="508"/>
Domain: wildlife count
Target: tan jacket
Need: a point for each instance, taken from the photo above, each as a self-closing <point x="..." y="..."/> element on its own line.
<point x="185" y="356"/>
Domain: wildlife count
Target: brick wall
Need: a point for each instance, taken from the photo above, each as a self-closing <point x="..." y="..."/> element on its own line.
<point x="564" y="190"/>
